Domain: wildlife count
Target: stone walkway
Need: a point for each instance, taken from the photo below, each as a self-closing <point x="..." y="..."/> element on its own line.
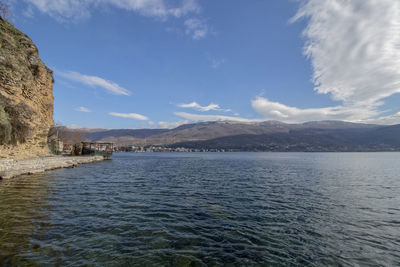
<point x="10" y="168"/>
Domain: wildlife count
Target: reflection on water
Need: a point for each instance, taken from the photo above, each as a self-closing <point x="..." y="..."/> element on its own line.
<point x="202" y="209"/>
<point x="24" y="210"/>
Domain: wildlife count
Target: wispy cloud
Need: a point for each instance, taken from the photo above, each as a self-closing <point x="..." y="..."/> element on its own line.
<point x="129" y="116"/>
<point x="83" y="109"/>
<point x="75" y="126"/>
<point x="386" y="120"/>
<point x="169" y="125"/>
<point x="215" y="63"/>
<point x="354" y="50"/>
<point x="64" y="10"/>
<point x="162" y="10"/>
<point x="197" y="106"/>
<point x="202" y="117"/>
<point x="277" y="111"/>
<point x="94" y="81"/>
<point x="197" y="28"/>
<point x="28" y="12"/>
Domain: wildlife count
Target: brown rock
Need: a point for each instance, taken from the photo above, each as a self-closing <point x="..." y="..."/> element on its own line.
<point x="26" y="96"/>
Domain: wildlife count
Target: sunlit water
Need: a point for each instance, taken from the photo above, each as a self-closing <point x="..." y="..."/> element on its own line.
<point x="198" y="209"/>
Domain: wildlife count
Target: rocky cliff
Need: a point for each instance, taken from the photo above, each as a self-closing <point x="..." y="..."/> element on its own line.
<point x="26" y="96"/>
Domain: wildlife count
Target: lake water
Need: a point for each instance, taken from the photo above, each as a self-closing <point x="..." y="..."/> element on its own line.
<point x="207" y="209"/>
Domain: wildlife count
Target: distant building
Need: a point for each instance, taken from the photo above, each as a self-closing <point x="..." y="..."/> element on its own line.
<point x="97" y="148"/>
<point x="67" y="149"/>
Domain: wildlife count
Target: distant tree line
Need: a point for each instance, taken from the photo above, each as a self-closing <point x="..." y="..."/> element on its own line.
<point x="70" y="136"/>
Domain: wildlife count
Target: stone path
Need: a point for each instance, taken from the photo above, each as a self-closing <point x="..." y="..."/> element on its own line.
<point x="10" y="168"/>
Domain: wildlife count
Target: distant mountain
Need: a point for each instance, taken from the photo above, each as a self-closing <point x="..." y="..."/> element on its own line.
<point x="309" y="140"/>
<point x="261" y="136"/>
<point x="187" y="132"/>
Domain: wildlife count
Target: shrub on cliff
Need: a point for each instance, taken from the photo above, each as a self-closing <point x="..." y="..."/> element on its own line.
<point x="5" y="126"/>
<point x="12" y="131"/>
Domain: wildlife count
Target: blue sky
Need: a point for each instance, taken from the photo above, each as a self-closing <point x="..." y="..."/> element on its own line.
<point x="161" y="63"/>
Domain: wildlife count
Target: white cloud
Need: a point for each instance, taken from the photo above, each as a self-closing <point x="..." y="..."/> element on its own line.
<point x="94" y="81"/>
<point x="386" y="120"/>
<point x="129" y="116"/>
<point x="197" y="28"/>
<point x="197" y="106"/>
<point x="75" y="126"/>
<point x="76" y="10"/>
<point x="354" y="48"/>
<point x="28" y="12"/>
<point x="201" y="117"/>
<point x="83" y="109"/>
<point x="65" y="10"/>
<point x="168" y="125"/>
<point x="151" y="123"/>
<point x="215" y="63"/>
<point x="277" y="111"/>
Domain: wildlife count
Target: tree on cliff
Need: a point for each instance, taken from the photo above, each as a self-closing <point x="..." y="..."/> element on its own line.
<point x="5" y="126"/>
<point x="70" y="136"/>
<point x="5" y="10"/>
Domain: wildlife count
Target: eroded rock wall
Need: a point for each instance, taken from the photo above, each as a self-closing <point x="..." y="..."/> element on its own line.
<point x="26" y="96"/>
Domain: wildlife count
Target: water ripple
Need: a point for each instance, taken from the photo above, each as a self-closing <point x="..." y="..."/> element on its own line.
<point x="200" y="209"/>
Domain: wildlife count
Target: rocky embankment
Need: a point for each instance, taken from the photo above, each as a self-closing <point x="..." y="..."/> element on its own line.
<point x="26" y="96"/>
<point x="10" y="168"/>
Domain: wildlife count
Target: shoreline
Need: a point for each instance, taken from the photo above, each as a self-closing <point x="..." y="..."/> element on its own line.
<point x="10" y="168"/>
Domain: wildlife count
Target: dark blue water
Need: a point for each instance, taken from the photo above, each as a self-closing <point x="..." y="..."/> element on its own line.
<point x="207" y="209"/>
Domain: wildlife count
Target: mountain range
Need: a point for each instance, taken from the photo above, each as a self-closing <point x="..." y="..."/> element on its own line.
<point x="259" y="136"/>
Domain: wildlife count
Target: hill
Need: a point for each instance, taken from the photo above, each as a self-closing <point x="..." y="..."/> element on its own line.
<point x="307" y="140"/>
<point x="261" y="136"/>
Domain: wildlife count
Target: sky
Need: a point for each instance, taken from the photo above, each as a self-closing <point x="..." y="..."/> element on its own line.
<point x="163" y="63"/>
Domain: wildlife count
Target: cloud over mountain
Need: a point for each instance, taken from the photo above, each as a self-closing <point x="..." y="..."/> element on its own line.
<point x="201" y="117"/>
<point x="197" y="106"/>
<point x="354" y="50"/>
<point x="134" y="116"/>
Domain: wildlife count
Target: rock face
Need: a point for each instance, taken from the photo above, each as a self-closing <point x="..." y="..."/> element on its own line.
<point x="26" y="96"/>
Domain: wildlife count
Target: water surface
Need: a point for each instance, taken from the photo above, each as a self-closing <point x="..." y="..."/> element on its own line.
<point x="207" y="209"/>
